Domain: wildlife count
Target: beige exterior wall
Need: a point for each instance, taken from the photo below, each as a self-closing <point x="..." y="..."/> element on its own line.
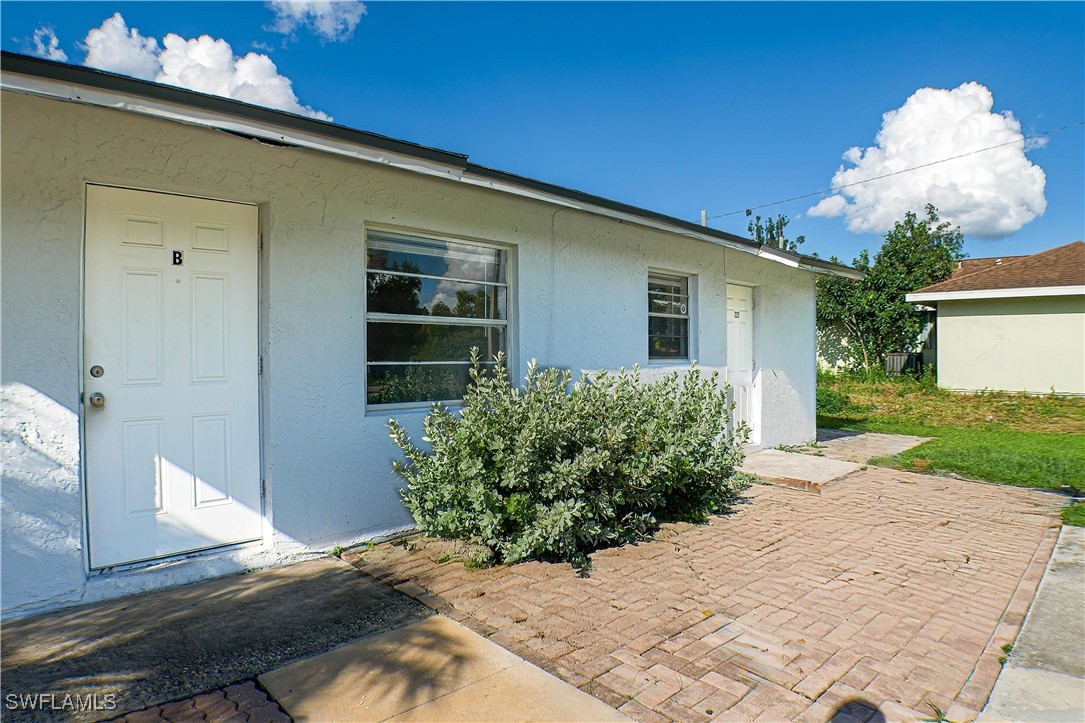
<point x="1018" y="345"/>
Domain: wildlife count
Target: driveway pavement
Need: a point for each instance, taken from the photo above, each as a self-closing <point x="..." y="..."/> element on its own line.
<point x="886" y="592"/>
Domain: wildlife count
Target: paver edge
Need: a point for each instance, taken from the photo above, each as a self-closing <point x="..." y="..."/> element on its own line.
<point x="975" y="685"/>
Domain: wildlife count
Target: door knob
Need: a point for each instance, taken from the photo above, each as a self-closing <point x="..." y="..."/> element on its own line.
<point x="97" y="399"/>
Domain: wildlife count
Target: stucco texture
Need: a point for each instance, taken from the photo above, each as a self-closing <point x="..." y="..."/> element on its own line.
<point x="578" y="287"/>
<point x="1034" y="345"/>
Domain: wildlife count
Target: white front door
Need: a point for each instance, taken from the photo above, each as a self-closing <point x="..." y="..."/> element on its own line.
<point x="170" y="375"/>
<point x="740" y="363"/>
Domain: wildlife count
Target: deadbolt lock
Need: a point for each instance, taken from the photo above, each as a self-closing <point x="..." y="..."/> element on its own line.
<point x="96" y="371"/>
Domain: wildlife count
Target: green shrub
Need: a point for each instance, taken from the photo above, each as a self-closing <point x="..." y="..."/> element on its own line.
<point x="554" y="470"/>
<point x="831" y="402"/>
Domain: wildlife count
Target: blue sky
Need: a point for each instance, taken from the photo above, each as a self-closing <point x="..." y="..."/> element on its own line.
<point x="679" y="107"/>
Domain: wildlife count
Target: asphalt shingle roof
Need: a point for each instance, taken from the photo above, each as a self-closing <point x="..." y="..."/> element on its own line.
<point x="1061" y="266"/>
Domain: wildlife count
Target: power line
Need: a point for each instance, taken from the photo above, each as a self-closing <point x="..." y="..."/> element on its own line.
<point x="897" y="173"/>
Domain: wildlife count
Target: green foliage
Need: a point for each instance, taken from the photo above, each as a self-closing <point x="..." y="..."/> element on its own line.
<point x="939" y="715"/>
<point x="771" y="233"/>
<point x="554" y="470"/>
<point x="871" y="314"/>
<point x="1074" y="515"/>
<point x="832" y="402"/>
<point x="417" y="382"/>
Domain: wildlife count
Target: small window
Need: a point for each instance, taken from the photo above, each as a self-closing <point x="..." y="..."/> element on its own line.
<point x="668" y="317"/>
<point x="428" y="302"/>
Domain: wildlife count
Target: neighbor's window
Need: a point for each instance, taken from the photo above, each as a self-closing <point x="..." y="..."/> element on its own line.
<point x="668" y="316"/>
<point x="427" y="303"/>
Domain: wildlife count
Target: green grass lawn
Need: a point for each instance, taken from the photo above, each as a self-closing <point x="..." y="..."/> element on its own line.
<point x="1026" y="459"/>
<point x="1074" y="514"/>
<point x="1009" y="439"/>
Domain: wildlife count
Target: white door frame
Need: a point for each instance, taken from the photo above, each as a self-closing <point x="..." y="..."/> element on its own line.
<point x="267" y="530"/>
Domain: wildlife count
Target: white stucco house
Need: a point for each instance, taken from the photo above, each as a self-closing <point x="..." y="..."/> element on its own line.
<point x="1014" y="324"/>
<point x="211" y="309"/>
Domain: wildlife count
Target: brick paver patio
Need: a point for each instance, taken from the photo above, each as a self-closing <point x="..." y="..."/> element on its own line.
<point x="239" y="703"/>
<point x="884" y="593"/>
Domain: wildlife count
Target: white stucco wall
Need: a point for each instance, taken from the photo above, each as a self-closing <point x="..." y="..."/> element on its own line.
<point x="1031" y="345"/>
<point x="580" y="287"/>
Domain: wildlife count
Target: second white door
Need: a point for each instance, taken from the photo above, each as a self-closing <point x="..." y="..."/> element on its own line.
<point x="741" y="372"/>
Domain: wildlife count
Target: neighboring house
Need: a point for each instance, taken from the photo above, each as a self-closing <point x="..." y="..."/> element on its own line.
<point x="211" y="310"/>
<point x="1015" y="323"/>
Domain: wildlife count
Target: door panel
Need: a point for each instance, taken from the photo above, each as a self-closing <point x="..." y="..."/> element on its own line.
<point x="740" y="362"/>
<point x="171" y="320"/>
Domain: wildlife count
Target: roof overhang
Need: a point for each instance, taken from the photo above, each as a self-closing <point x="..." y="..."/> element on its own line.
<point x="60" y="81"/>
<point x="933" y="296"/>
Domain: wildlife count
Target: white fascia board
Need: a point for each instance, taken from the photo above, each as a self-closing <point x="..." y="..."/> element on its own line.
<point x="847" y="274"/>
<point x="779" y="256"/>
<point x="209" y="119"/>
<point x="996" y="293"/>
<point x="221" y="121"/>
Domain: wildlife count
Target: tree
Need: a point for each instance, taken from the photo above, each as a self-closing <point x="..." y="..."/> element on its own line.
<point x="772" y="232"/>
<point x="871" y="312"/>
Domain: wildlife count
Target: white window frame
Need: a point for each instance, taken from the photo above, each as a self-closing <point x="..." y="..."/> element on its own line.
<point x="378" y="317"/>
<point x="690" y="284"/>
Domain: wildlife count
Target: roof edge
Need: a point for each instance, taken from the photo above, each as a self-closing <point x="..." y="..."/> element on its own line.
<point x="999" y="270"/>
<point x="456" y="167"/>
<point x="1012" y="293"/>
<point x="657" y="220"/>
<point x="91" y="77"/>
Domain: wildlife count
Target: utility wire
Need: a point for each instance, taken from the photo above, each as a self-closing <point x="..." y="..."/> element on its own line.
<point x="897" y="173"/>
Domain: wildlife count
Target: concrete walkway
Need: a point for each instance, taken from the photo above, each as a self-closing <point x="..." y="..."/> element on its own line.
<point x="796" y="470"/>
<point x="1044" y="676"/>
<point x="433" y="670"/>
<point x="859" y="447"/>
<point x="164" y="646"/>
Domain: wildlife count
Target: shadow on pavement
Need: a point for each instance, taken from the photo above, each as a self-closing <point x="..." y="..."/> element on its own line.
<point x="167" y="645"/>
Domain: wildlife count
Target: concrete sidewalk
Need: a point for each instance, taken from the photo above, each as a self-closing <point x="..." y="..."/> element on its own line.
<point x="433" y="670"/>
<point x="1044" y="676"/>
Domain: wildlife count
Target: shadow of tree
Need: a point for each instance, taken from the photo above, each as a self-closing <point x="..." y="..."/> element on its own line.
<point x="388" y="674"/>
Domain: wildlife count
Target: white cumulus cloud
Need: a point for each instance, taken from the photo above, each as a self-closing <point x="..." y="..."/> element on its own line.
<point x="989" y="195"/>
<point x="204" y="64"/>
<point x="331" y="20"/>
<point x="209" y="65"/>
<point x="47" y="46"/>
<point x="119" y="49"/>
